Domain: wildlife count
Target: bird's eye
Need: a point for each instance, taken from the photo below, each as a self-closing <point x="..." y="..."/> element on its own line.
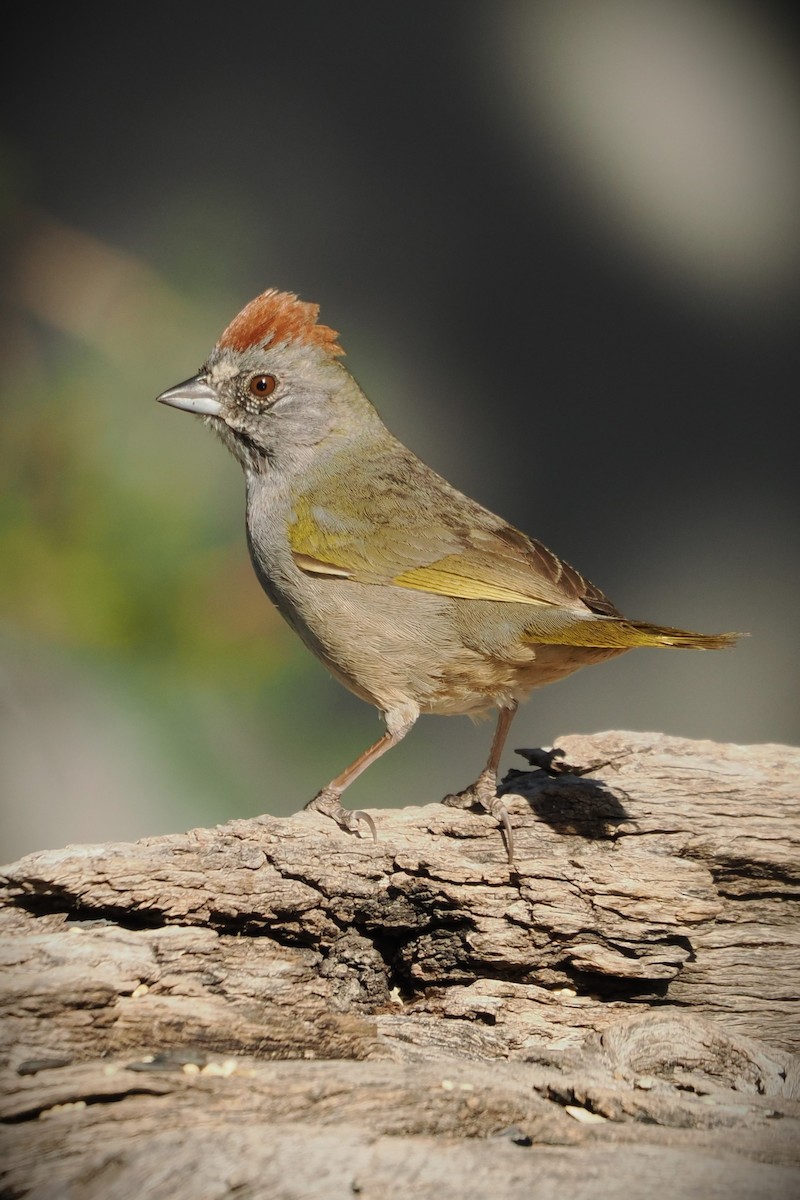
<point x="262" y="385"/>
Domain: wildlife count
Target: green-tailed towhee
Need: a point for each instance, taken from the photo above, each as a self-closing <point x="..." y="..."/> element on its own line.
<point x="417" y="598"/>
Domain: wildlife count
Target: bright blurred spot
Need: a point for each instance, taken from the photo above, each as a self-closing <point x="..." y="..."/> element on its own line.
<point x="82" y="286"/>
<point x="676" y="126"/>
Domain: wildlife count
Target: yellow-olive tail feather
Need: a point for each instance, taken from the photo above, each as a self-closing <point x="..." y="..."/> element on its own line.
<point x="621" y="633"/>
<point x="643" y="633"/>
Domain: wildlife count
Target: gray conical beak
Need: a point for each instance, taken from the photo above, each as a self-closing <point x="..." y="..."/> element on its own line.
<point x="193" y="395"/>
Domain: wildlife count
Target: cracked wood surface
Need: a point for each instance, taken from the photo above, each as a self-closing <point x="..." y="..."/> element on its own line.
<point x="276" y="1008"/>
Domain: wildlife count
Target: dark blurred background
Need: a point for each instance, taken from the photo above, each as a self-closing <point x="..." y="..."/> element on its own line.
<point x="561" y="243"/>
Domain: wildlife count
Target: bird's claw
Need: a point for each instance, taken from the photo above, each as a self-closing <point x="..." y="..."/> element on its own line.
<point x="500" y="813"/>
<point x="328" y="802"/>
<point x="483" y="794"/>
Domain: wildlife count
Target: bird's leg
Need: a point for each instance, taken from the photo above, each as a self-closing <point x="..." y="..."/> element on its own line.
<point x="329" y="801"/>
<point x="484" y="790"/>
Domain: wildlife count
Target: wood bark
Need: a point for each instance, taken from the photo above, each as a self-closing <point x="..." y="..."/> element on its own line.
<point x="275" y="1008"/>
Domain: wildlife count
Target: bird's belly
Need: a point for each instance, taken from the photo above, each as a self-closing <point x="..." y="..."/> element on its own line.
<point x="393" y="646"/>
<point x="389" y="645"/>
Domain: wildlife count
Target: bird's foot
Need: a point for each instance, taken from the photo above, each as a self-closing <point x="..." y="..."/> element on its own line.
<point x="329" y="802"/>
<point x="483" y="794"/>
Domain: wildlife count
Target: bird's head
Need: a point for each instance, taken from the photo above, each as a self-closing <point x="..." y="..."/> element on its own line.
<point x="273" y="388"/>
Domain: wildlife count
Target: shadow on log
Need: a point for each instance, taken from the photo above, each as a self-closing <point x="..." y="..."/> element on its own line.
<point x="276" y="1008"/>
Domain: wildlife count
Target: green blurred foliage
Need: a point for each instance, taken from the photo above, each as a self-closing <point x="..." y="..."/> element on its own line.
<point x="101" y="553"/>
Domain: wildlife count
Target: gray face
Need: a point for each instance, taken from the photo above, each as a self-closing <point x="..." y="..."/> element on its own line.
<point x="269" y="405"/>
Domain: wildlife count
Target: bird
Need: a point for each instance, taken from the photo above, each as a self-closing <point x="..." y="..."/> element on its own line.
<point x="413" y="595"/>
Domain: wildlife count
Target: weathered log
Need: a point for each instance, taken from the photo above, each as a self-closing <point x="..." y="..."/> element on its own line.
<point x="277" y="1008"/>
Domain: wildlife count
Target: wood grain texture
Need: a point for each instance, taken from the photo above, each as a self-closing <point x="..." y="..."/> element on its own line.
<point x="276" y="1008"/>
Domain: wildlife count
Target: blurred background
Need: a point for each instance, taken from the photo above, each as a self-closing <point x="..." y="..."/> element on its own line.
<point x="561" y="243"/>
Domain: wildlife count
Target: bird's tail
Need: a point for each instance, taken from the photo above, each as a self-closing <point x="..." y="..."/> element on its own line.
<point x="620" y="633"/>
<point x="642" y="633"/>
